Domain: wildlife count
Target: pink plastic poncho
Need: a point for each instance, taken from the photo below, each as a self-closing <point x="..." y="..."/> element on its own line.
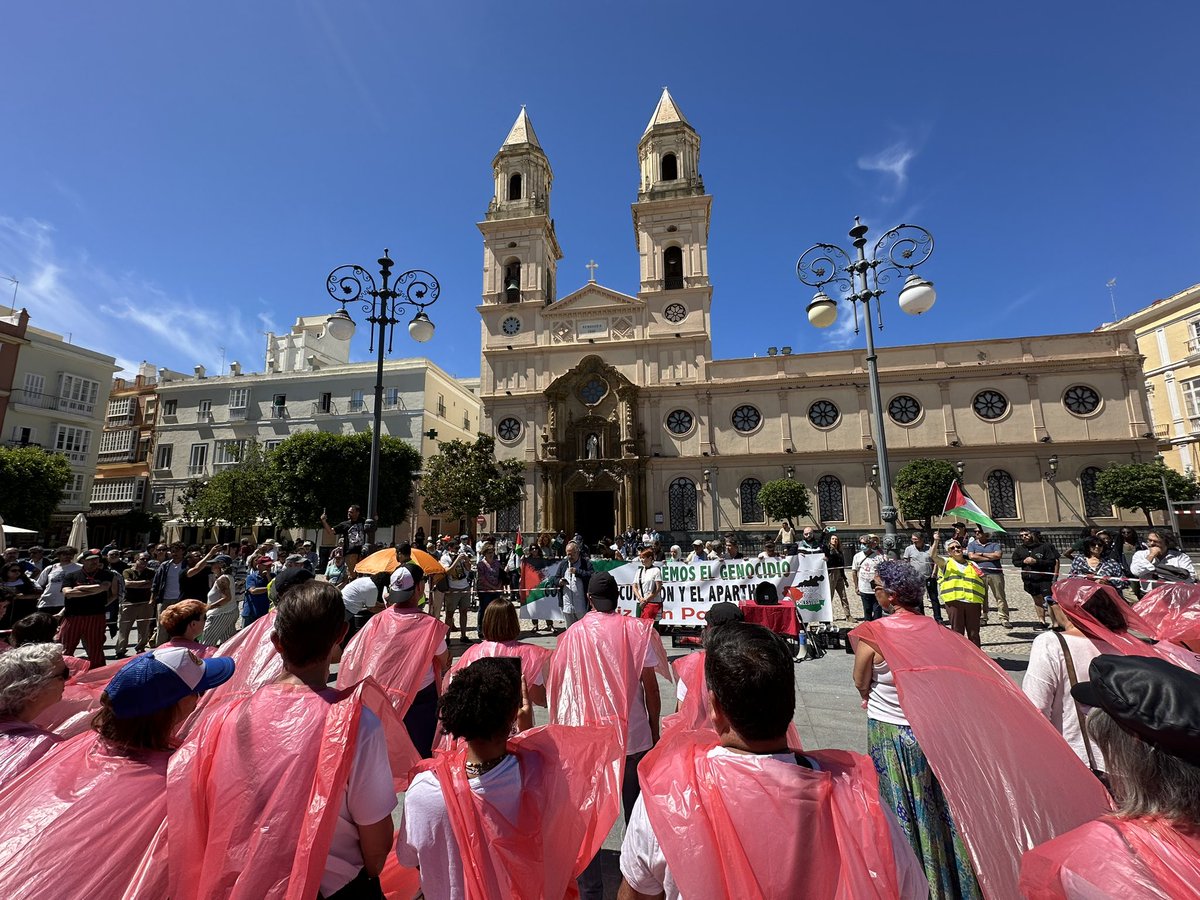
<point x="535" y="660"/>
<point x="1072" y="593"/>
<point x="1172" y="611"/>
<point x="753" y="827"/>
<point x="1121" y="859"/>
<point x="86" y="821"/>
<point x="597" y="668"/>
<point x="204" y="651"/>
<point x="1010" y="778"/>
<point x="694" y="710"/>
<point x="72" y="714"/>
<point x="21" y="745"/>
<point x="256" y="663"/>
<point x="255" y="793"/>
<point x="570" y="794"/>
<point x="396" y="649"/>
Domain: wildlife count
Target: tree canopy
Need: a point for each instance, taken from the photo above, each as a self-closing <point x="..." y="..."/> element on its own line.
<point x="785" y="498"/>
<point x="1140" y="486"/>
<point x="467" y="479"/>
<point x="239" y="494"/>
<point x="921" y="489"/>
<point x="31" y="485"/>
<point x="317" y="471"/>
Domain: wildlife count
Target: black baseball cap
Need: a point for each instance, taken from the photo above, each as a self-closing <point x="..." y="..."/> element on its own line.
<point x="289" y="578"/>
<point x="603" y="591"/>
<point x="723" y="612"/>
<point x="1149" y="697"/>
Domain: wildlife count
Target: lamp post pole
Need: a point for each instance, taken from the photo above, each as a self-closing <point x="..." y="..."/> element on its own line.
<point x="384" y="306"/>
<point x="1173" y="518"/>
<point x="897" y="252"/>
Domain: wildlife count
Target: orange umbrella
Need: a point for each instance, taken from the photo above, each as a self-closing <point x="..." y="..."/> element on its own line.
<point x="385" y="561"/>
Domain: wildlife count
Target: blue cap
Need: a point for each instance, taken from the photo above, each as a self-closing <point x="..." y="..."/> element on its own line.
<point x="161" y="678"/>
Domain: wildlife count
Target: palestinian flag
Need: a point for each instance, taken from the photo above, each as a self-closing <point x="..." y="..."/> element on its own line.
<point x="961" y="506"/>
<point x="539" y="577"/>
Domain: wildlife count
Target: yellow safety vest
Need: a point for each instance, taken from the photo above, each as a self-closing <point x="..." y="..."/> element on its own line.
<point x="961" y="582"/>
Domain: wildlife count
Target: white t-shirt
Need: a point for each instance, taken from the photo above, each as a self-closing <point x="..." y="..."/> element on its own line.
<point x="1048" y="687"/>
<point x="370" y="797"/>
<point x="866" y="566"/>
<point x="639" y="718"/>
<point x="883" y="702"/>
<point x="645" y="867"/>
<point x="360" y="594"/>
<point x="457" y="584"/>
<point x="51" y="583"/>
<point x="426" y="839"/>
<point x="648" y="580"/>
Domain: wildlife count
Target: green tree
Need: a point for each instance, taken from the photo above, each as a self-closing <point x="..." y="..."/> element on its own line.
<point x="785" y="498"/>
<point x="467" y="479"/>
<point x="316" y="471"/>
<point x="237" y="494"/>
<point x="31" y="485"/>
<point x="921" y="489"/>
<point x="1140" y="486"/>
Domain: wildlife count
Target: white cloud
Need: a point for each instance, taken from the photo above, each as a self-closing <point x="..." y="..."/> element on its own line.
<point x="893" y="162"/>
<point x="125" y="315"/>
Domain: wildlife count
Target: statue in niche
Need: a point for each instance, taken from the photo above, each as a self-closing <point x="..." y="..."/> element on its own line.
<point x="591" y="446"/>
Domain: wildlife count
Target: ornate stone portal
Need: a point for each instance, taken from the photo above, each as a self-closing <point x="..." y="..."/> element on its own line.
<point x="591" y="452"/>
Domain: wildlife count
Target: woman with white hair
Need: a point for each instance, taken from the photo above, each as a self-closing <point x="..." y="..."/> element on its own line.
<point x="31" y="681"/>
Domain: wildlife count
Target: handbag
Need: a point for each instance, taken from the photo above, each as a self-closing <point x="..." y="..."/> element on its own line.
<point x="1087" y="741"/>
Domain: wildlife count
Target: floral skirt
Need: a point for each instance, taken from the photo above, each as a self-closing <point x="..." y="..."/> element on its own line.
<point x="907" y="786"/>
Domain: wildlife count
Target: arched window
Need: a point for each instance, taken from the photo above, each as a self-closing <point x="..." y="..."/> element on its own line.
<point x="673" y="268"/>
<point x="512" y="280"/>
<point x="1093" y="503"/>
<point x="670" y="167"/>
<point x="831" y="506"/>
<point x="514" y="186"/>
<point x="681" y="500"/>
<point x="752" y="510"/>
<point x="1002" y="495"/>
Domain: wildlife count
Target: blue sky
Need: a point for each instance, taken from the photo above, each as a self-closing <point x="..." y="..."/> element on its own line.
<point x="179" y="177"/>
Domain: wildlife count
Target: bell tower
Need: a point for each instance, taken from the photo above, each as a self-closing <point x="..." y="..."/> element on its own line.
<point x="671" y="215"/>
<point x="520" y="249"/>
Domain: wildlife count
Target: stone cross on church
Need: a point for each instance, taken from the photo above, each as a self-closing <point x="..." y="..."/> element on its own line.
<point x="592" y="266"/>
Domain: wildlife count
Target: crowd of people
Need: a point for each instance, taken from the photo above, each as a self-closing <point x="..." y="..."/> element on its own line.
<point x="232" y="693"/>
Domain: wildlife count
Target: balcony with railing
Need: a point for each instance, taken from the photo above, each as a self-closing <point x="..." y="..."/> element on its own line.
<point x="325" y="409"/>
<point x="197" y="471"/>
<point x="1193" y="345"/>
<point x="279" y="412"/>
<point x="40" y="400"/>
<point x="237" y="413"/>
<point x="1162" y="431"/>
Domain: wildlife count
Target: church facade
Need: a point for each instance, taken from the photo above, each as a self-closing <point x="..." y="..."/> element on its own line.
<point x="623" y="418"/>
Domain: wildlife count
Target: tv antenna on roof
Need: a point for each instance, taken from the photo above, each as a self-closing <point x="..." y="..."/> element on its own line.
<point x="1112" y="296"/>
<point x="15" y="285"/>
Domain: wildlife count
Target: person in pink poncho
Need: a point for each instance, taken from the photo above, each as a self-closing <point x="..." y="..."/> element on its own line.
<point x="31" y="681"/>
<point x="289" y="790"/>
<point x="502" y="816"/>
<point x="603" y="672"/>
<point x="1147" y="723"/>
<point x="405" y="650"/>
<point x="182" y="623"/>
<point x="731" y="810"/>
<point x="102" y="795"/>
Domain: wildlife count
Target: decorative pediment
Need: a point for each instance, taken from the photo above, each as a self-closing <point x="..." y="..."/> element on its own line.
<point x="593" y="297"/>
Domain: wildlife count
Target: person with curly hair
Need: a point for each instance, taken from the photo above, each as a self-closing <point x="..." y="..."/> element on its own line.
<point x="502" y="816"/>
<point x="907" y="784"/>
<point x="31" y="681"/>
<point x="182" y="623"/>
<point x="116" y="772"/>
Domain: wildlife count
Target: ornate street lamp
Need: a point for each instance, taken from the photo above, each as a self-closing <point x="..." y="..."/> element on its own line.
<point x="384" y="307"/>
<point x="897" y="252"/>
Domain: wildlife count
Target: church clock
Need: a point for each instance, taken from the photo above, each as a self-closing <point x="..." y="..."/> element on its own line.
<point x="511" y="325"/>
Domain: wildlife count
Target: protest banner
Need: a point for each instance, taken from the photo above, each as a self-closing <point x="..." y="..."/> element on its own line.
<point x="690" y="589"/>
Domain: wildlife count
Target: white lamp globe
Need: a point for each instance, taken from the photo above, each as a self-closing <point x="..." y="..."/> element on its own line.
<point x="420" y="328"/>
<point x="917" y="295"/>
<point x="340" y="326"/>
<point x="822" y="311"/>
